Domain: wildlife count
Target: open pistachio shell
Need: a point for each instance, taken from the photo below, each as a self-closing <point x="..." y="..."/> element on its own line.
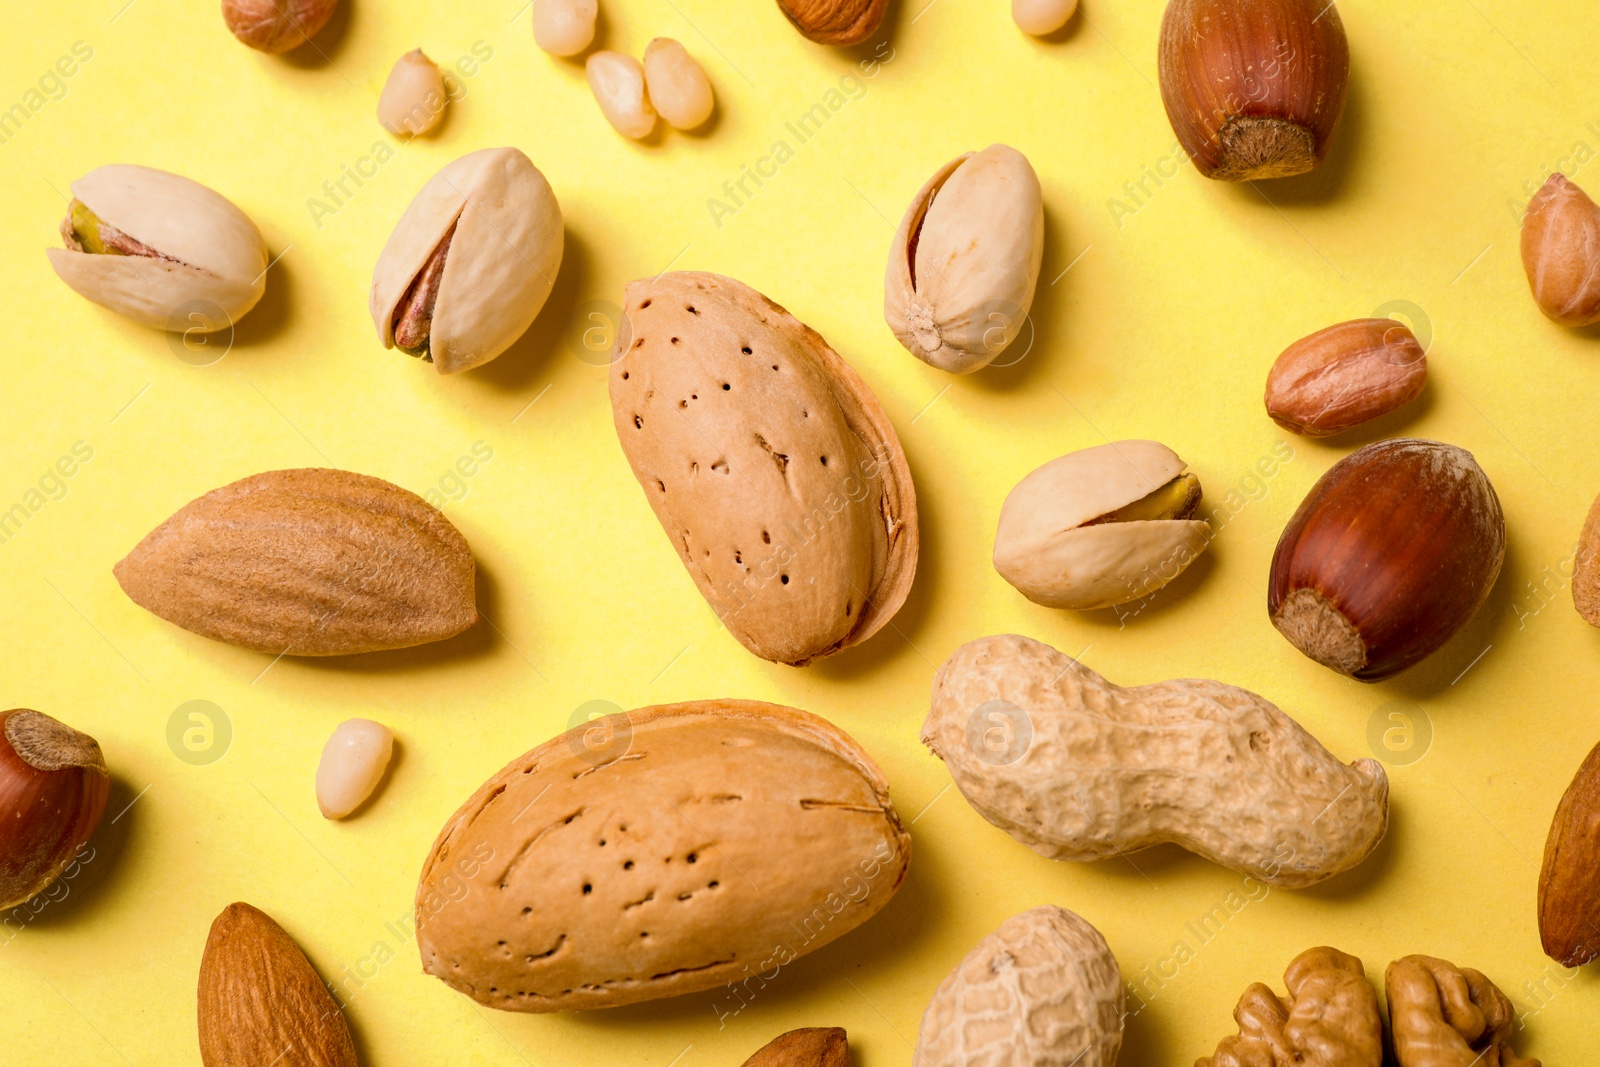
<point x="503" y="228"/>
<point x="965" y="260"/>
<point x="207" y="252"/>
<point x="1068" y="538"/>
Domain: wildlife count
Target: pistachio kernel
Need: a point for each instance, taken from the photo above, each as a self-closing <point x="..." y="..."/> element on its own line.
<point x="84" y="231"/>
<point x="413" y="319"/>
<point x="1178" y="499"/>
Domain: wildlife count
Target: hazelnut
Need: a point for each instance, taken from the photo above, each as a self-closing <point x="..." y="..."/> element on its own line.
<point x="276" y="26"/>
<point x="1561" y="252"/>
<point x="53" y="789"/>
<point x="841" y="22"/>
<point x="1253" y="88"/>
<point x="1393" y="551"/>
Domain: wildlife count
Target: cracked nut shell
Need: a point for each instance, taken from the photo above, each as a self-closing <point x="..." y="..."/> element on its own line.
<point x="160" y="249"/>
<point x="964" y="262"/>
<point x="471" y="261"/>
<point x="1100" y="526"/>
<point x="771" y="466"/>
<point x="1392" y="552"/>
<point x="657" y="852"/>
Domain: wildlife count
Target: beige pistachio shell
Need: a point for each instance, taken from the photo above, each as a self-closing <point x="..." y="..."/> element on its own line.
<point x="769" y="463"/>
<point x="502" y="259"/>
<point x="1045" y="550"/>
<point x="965" y="260"/>
<point x="658" y="852"/>
<point x="222" y="259"/>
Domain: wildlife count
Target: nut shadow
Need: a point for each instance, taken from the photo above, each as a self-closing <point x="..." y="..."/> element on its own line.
<point x="1012" y="369"/>
<point x="1067" y="32"/>
<point x="1158" y="604"/>
<point x="476" y="642"/>
<point x="1324" y="183"/>
<point x="272" y="315"/>
<point x="326" y="43"/>
<point x="866" y="51"/>
<point x="515" y="369"/>
<point x="73" y="898"/>
<point x="1364" y="876"/>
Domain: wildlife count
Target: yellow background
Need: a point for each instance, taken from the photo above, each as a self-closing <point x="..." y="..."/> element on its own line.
<point x="1164" y="327"/>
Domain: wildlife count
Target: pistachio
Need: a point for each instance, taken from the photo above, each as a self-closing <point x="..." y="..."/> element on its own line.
<point x="1101" y="526"/>
<point x="160" y="249"/>
<point x="965" y="260"/>
<point x="470" y="263"/>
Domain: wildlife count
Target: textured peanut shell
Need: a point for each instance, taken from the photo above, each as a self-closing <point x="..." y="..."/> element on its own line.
<point x="261" y="1002"/>
<point x="1043" y="989"/>
<point x="814" y="1046"/>
<point x="1329" y="1019"/>
<point x="1586" y="568"/>
<point x="1345" y="375"/>
<point x="1210" y="767"/>
<point x="1569" y="880"/>
<point x="965" y="261"/>
<point x="1442" y="1015"/>
<point x="223" y="259"/>
<point x="716" y="839"/>
<point x="1561" y="252"/>
<point x="1044" y="548"/>
<point x="502" y="261"/>
<point x="310" y="562"/>
<point x="774" y="472"/>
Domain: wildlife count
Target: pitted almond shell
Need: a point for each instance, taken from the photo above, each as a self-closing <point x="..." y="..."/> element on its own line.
<point x="502" y="260"/>
<point x="965" y="261"/>
<point x="700" y="843"/>
<point x="1044" y="548"/>
<point x="769" y="463"/>
<point x="310" y="562"/>
<point x="222" y="257"/>
<point x="261" y="1002"/>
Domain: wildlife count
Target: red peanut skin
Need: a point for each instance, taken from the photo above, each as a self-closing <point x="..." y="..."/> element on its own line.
<point x="1345" y="375"/>
<point x="1561" y="252"/>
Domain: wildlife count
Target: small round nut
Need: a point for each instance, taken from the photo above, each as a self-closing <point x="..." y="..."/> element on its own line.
<point x="414" y="97"/>
<point x="1041" y="18"/>
<point x="618" y="85"/>
<point x="353" y="763"/>
<point x="564" y="27"/>
<point x="276" y="26"/>
<point x="677" y="85"/>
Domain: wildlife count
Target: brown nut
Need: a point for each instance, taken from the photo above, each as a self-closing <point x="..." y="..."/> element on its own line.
<point x="1329" y="1019"/>
<point x="53" y="789"/>
<point x="1253" y="88"/>
<point x="310" y="562"/>
<point x="842" y="22"/>
<point x="657" y="852"/>
<point x="276" y="26"/>
<point x="1569" y="882"/>
<point x="1586" y="568"/>
<point x="1344" y="376"/>
<point x="1042" y="989"/>
<point x="814" y="1046"/>
<point x="1442" y="1015"/>
<point x="261" y="1002"/>
<point x="1390" y="554"/>
<point x="769" y="463"/>
<point x="1561" y="252"/>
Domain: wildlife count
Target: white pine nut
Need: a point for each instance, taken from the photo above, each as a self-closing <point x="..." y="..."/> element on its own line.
<point x="564" y="27"/>
<point x="677" y="85"/>
<point x="618" y="84"/>
<point x="1042" y="17"/>
<point x="414" y="97"/>
<point x="353" y="762"/>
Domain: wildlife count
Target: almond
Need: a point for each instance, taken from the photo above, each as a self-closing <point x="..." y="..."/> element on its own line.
<point x="843" y="22"/>
<point x="1344" y="376"/>
<point x="814" y="1046"/>
<point x="309" y="562"/>
<point x="1569" y="883"/>
<point x="769" y="463"/>
<point x="261" y="1001"/>
<point x="658" y="852"/>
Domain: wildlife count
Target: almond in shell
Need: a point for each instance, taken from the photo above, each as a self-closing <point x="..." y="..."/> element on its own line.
<point x="311" y="562"/>
<point x="769" y="463"/>
<point x="261" y="1002"/>
<point x="658" y="852"/>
